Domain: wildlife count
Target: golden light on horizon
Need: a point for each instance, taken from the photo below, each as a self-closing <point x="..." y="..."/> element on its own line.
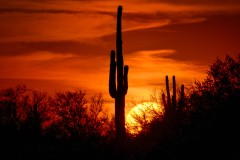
<point x="141" y="115"/>
<point x="64" y="94"/>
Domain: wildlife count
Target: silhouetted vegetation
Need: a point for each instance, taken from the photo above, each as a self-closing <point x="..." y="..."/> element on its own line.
<point x="118" y="86"/>
<point x="70" y="124"/>
<point x="35" y="124"/>
<point x="202" y="123"/>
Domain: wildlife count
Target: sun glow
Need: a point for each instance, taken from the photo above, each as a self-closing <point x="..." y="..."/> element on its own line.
<point x="141" y="115"/>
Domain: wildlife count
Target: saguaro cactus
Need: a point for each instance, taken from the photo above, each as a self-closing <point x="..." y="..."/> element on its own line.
<point x="174" y="96"/>
<point x="171" y="104"/>
<point x="182" y="97"/>
<point x="168" y="93"/>
<point x="118" y="89"/>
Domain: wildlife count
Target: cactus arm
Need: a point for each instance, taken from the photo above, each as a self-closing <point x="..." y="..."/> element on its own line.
<point x="174" y="100"/>
<point x="168" y="93"/>
<point x="182" y="91"/>
<point x="112" y="75"/>
<point x="125" y="87"/>
<point x="182" y="97"/>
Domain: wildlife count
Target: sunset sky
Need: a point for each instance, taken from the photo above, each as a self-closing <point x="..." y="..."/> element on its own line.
<point x="57" y="45"/>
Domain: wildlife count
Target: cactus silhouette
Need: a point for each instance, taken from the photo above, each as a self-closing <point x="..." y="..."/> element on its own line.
<point x="171" y="104"/>
<point x="118" y="89"/>
<point x="182" y="97"/>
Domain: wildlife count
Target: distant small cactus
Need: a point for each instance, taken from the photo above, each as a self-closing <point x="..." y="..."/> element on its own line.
<point x="171" y="104"/>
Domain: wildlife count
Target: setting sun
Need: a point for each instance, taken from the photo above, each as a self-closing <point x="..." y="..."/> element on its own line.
<point x="91" y="79"/>
<point x="141" y="115"/>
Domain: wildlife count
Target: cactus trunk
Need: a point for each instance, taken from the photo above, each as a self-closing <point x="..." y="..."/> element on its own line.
<point x="174" y="96"/>
<point x="119" y="90"/>
<point x="182" y="97"/>
<point x="171" y="102"/>
<point x="168" y="93"/>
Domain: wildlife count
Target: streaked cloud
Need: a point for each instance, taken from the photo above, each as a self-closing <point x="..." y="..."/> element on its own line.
<point x="191" y="2"/>
<point x="60" y="47"/>
<point x="156" y="53"/>
<point x="37" y="11"/>
<point x="84" y="20"/>
<point x="66" y="44"/>
<point x="147" y="70"/>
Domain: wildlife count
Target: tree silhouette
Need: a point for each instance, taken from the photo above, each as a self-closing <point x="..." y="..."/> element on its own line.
<point x="221" y="88"/>
<point x="37" y="113"/>
<point x="214" y="107"/>
<point x="70" y="113"/>
<point x="99" y="123"/>
<point x="79" y="118"/>
<point x="13" y="103"/>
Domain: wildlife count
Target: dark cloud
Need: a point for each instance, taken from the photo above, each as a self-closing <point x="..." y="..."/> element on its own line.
<point x="32" y="11"/>
<point x="207" y="1"/>
<point x="51" y="86"/>
<point x="197" y="42"/>
<point x="153" y="84"/>
<point x="74" y="47"/>
<point x="193" y="1"/>
<point x="53" y="11"/>
<point x="144" y="17"/>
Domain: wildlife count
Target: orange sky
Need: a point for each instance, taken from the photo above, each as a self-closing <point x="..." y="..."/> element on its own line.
<point x="55" y="45"/>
